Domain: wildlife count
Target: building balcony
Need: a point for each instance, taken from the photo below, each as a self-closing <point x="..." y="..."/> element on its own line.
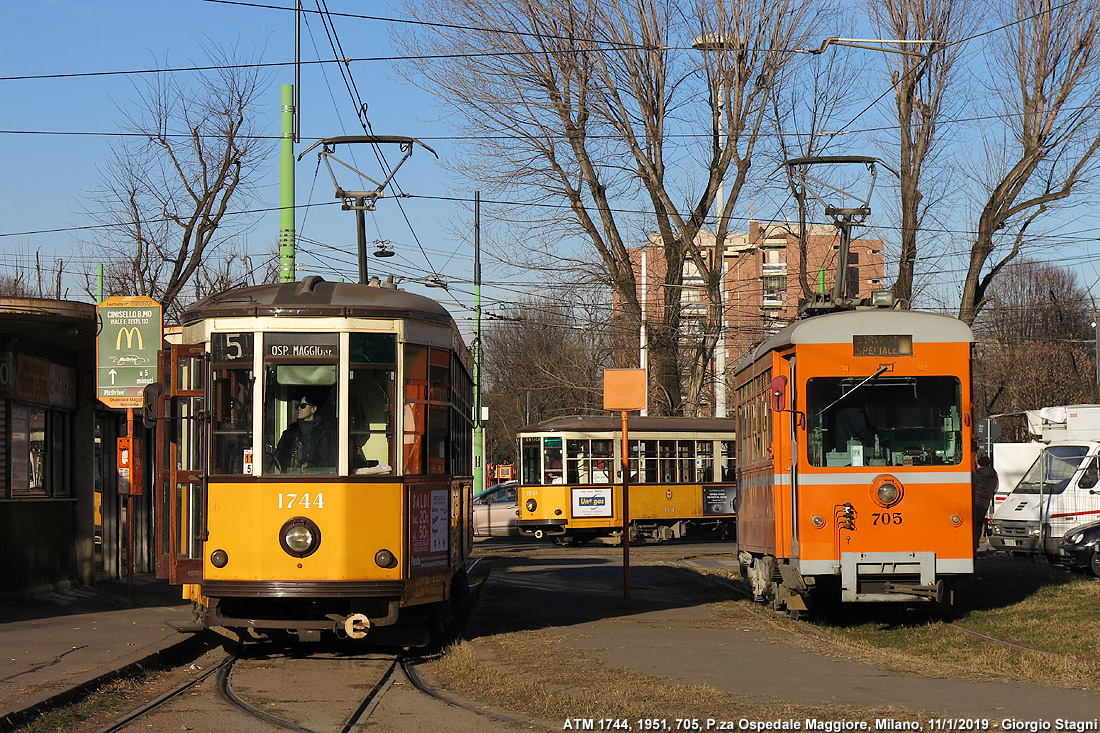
<point x="773" y="268"/>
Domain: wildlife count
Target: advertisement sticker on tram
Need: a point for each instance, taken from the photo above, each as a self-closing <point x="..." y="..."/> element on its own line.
<point x="590" y="502"/>
<point x="428" y="530"/>
<point x="718" y="500"/>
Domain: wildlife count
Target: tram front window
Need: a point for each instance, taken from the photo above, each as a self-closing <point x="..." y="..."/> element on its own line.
<point x="300" y="424"/>
<point x="884" y="421"/>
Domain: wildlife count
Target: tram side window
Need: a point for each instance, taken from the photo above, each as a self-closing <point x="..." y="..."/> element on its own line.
<point x="551" y="461"/>
<point x="427" y="417"/>
<point x="300" y="418"/>
<point x="729" y="463"/>
<point x="588" y="461"/>
<point x="644" y="468"/>
<point x="704" y="462"/>
<point x="232" y="421"/>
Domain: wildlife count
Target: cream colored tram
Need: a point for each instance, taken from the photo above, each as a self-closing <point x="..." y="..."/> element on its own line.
<point x="681" y="483"/>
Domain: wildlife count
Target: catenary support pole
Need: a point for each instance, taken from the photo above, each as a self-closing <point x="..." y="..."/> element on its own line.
<point x="286" y="189"/>
<point x="479" y="428"/>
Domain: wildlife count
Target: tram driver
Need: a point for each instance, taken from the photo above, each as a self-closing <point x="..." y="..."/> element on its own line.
<point x="309" y="443"/>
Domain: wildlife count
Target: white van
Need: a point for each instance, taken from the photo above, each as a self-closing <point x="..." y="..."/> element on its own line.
<point x="1059" y="492"/>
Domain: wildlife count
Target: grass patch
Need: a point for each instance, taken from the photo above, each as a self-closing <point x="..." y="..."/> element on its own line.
<point x="98" y="708"/>
<point x="1014" y="599"/>
<point x="536" y="674"/>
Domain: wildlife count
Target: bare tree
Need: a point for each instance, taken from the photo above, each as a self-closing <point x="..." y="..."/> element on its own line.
<point x="574" y="107"/>
<point x="166" y="192"/>
<point x="1035" y="341"/>
<point x="542" y="360"/>
<point x="921" y="86"/>
<point x="1050" y="93"/>
<point x="15" y="285"/>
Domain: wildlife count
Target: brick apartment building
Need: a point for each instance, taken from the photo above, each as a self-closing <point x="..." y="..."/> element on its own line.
<point x="761" y="285"/>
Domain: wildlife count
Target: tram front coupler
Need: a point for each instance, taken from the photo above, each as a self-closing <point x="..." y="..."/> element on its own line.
<point x="934" y="592"/>
<point x="356" y="625"/>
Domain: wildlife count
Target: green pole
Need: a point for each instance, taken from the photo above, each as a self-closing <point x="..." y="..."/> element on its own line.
<point x="286" y="189"/>
<point x="821" y="280"/>
<point x="479" y="428"/>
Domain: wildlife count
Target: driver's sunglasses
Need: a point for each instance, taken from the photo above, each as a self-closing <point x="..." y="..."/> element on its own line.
<point x="303" y="405"/>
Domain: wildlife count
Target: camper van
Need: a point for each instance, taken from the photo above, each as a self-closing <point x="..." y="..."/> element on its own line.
<point x="1060" y="491"/>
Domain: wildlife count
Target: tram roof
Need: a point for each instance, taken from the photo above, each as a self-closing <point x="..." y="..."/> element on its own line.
<point x="832" y="328"/>
<point x="608" y="424"/>
<point x="315" y="297"/>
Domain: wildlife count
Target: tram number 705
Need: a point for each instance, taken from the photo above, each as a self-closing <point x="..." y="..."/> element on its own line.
<point x="886" y="518"/>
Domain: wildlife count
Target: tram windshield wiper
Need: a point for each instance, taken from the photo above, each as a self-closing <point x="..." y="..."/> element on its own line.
<point x="835" y="402"/>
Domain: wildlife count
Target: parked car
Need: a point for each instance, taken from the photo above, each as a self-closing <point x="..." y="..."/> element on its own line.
<point x="496" y="510"/>
<point x="1080" y="548"/>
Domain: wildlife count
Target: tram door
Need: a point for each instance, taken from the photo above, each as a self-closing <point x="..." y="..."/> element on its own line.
<point x="181" y="475"/>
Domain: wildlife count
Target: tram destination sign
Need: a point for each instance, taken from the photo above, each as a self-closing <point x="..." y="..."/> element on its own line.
<point x="882" y="345"/>
<point x="130" y="333"/>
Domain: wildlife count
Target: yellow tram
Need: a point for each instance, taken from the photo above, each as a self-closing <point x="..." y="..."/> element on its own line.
<point x="314" y="461"/>
<point x="681" y="478"/>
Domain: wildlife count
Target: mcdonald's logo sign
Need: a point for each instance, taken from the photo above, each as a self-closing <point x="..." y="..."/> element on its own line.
<point x="131" y="333"/>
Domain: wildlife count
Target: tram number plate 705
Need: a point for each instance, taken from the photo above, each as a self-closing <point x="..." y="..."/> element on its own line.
<point x="302" y="501"/>
<point x="886" y="518"/>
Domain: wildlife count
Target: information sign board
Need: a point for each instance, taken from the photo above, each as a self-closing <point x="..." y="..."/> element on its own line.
<point x="130" y="334"/>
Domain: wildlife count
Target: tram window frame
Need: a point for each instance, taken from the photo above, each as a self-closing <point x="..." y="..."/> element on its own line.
<point x="426" y="424"/>
<point x="553" y="454"/>
<point x="754" y="420"/>
<point x="231" y="420"/>
<point x="530" y="454"/>
<point x="588" y="460"/>
<point x="372" y="361"/>
<point x="904" y="429"/>
<point x="297" y="365"/>
<point x="462" y="418"/>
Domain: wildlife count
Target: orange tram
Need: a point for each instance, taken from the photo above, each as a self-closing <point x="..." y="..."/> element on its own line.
<point x="314" y="462"/>
<point x="854" y="451"/>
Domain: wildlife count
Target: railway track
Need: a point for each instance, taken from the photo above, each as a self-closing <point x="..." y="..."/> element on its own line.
<point x="254" y="687"/>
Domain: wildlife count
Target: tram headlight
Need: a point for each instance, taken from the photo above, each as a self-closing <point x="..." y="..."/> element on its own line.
<point x="888" y="494"/>
<point x="385" y="559"/>
<point x="300" y="537"/>
<point x="531" y="505"/>
<point x="219" y="558"/>
<point x="886" y="490"/>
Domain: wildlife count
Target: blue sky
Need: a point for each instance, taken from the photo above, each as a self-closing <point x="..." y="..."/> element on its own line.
<point x="47" y="175"/>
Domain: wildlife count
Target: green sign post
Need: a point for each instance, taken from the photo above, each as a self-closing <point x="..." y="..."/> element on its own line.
<point x="130" y="333"/>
